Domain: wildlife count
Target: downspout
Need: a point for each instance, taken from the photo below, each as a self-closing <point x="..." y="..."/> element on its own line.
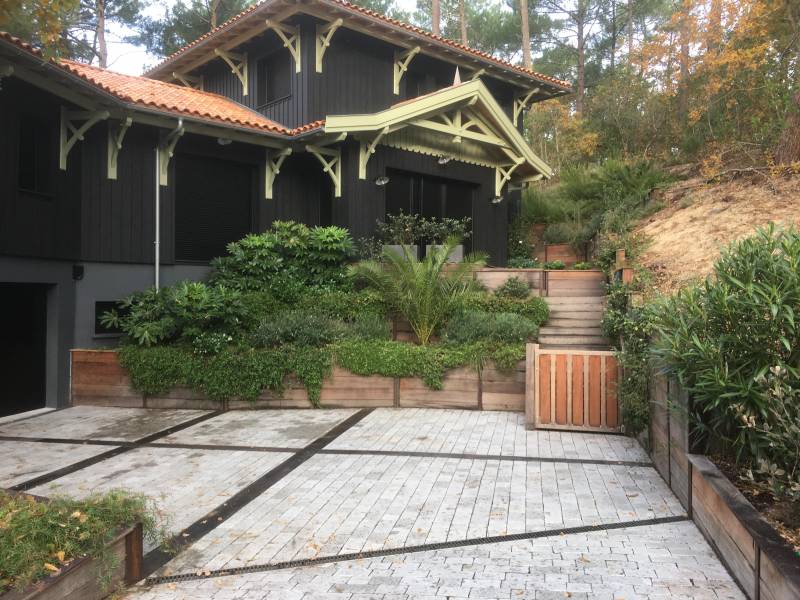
<point x="157" y="242"/>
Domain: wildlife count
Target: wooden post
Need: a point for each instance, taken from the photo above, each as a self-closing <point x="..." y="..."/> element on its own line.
<point x="530" y="386"/>
<point x="134" y="549"/>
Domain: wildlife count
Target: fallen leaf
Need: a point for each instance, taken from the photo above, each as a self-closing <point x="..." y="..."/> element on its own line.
<point x="60" y="556"/>
<point x="52" y="567"/>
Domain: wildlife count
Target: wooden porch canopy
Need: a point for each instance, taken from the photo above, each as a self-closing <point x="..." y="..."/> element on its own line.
<point x="462" y="122"/>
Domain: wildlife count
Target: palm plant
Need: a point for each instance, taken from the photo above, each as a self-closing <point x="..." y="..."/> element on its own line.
<point x="422" y="291"/>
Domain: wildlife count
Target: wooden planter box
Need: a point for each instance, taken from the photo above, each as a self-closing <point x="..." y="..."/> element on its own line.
<point x="493" y="278"/>
<point x="80" y="579"/>
<point x="563" y="252"/>
<point x="463" y="388"/>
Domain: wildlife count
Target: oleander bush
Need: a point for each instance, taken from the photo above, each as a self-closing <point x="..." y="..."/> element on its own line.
<point x="513" y="287"/>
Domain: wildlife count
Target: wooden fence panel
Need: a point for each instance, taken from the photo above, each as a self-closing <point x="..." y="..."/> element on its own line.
<point x="572" y="389"/>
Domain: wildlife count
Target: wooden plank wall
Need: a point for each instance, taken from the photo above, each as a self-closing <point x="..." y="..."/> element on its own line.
<point x="575" y="283"/>
<point x="573" y="389"/>
<point x="563" y="252"/>
<point x="670" y="433"/>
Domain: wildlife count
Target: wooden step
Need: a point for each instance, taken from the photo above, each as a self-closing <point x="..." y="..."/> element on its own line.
<point x="572" y="322"/>
<point x="570" y="300"/>
<point x="550" y="330"/>
<point x="573" y="340"/>
<point x="561" y="313"/>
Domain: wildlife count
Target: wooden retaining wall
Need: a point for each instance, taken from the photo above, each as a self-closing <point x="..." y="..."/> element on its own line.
<point x="563" y="252"/>
<point x="99" y="380"/>
<point x="762" y="562"/>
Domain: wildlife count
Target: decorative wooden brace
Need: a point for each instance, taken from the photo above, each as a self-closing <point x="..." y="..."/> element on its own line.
<point x="476" y="74"/>
<point x="521" y="103"/>
<point x="324" y="35"/>
<point x="290" y="36"/>
<point x="72" y="132"/>
<point x="238" y="64"/>
<point x="366" y="150"/>
<point x="272" y="167"/>
<point x="401" y="62"/>
<point x="462" y="124"/>
<point x="503" y="174"/>
<point x="191" y="81"/>
<point x="166" y="150"/>
<point x="5" y="71"/>
<point x="331" y="160"/>
<point x="116" y="133"/>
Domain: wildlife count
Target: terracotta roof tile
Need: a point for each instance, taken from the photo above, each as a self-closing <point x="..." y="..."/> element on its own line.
<point x="376" y="15"/>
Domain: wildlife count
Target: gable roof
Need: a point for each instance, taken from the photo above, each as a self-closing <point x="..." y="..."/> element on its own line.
<point x="251" y="22"/>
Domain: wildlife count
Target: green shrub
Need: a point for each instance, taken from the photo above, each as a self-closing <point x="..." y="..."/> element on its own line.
<point x="437" y="231"/>
<point x="179" y="313"/>
<point x="370" y="326"/>
<point x="285" y="260"/>
<point x="399" y="229"/>
<point x="421" y="290"/>
<point x="533" y="308"/>
<point x="561" y="233"/>
<point x="523" y="263"/>
<point x="297" y="327"/>
<point x="38" y="539"/>
<point x="544" y="206"/>
<point x="473" y="326"/>
<point x="721" y="337"/>
<point x="555" y="265"/>
<point x="582" y="266"/>
<point x="513" y="287"/>
<point x="520" y="246"/>
<point x="342" y="305"/>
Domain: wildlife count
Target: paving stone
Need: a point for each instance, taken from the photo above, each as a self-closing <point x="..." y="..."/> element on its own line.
<point x="708" y="579"/>
<point x="479" y="432"/>
<point x="275" y="428"/>
<point x="99" y="423"/>
<point x="184" y="484"/>
<point x="22" y="461"/>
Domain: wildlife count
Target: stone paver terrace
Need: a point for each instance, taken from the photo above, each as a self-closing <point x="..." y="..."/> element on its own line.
<point x="384" y="504"/>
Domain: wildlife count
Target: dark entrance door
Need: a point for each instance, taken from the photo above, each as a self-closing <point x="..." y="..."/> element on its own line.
<point x="23" y="321"/>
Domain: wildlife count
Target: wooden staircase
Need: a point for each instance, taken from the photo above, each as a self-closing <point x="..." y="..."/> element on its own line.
<point x="576" y="305"/>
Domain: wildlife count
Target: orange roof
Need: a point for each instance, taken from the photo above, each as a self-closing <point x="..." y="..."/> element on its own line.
<point x="353" y="8"/>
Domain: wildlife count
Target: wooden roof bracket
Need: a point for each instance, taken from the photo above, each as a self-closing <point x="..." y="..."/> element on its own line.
<point x="503" y="174"/>
<point x="290" y="36"/>
<point x="238" y="64"/>
<point x="331" y="160"/>
<point x="521" y="103"/>
<point x="5" y="71"/>
<point x="324" y="35"/>
<point x="272" y="167"/>
<point x="477" y="74"/>
<point x="366" y="150"/>
<point x="72" y="132"/>
<point x="166" y="144"/>
<point x="116" y="134"/>
<point x="401" y="62"/>
<point x="191" y="81"/>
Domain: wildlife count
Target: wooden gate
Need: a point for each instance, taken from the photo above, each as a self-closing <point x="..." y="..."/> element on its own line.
<point x="571" y="389"/>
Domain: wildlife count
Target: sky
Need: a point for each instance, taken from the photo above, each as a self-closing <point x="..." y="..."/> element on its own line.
<point x="133" y="60"/>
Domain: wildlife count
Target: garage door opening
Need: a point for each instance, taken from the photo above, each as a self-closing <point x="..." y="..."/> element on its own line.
<point x="23" y="321"/>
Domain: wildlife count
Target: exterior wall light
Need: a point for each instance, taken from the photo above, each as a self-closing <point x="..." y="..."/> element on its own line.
<point x="382" y="180"/>
<point x="224" y="141"/>
<point x="497" y="199"/>
<point x="443" y="160"/>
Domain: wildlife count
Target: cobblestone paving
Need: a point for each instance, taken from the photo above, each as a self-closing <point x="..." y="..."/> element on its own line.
<point x="340" y="504"/>
<point x="661" y="561"/>
<point x="22" y="461"/>
<point x="475" y="432"/>
<point x="186" y="484"/>
<point x="99" y="423"/>
<point x="286" y="429"/>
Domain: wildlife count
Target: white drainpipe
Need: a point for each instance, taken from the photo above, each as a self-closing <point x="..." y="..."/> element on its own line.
<point x="157" y="242"/>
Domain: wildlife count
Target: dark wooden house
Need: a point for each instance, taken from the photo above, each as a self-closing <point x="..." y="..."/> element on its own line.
<point x="318" y="111"/>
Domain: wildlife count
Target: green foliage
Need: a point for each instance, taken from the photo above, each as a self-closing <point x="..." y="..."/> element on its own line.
<point x="513" y="287"/>
<point x="400" y="229"/>
<point x="582" y="266"/>
<point x="343" y="305"/>
<point x="555" y="265"/>
<point x="473" y="326"/>
<point x="520" y="247"/>
<point x="40" y="538"/>
<point x="285" y="260"/>
<point x="606" y="255"/>
<point x="421" y="290"/>
<point x="533" y="308"/>
<point x="370" y="326"/>
<point x="523" y="263"/>
<point x="544" y="206"/>
<point x="722" y="337"/>
<point x="561" y="233"/>
<point x="406" y="229"/>
<point x="179" y="313"/>
<point x="437" y="231"/>
<point x="297" y="327"/>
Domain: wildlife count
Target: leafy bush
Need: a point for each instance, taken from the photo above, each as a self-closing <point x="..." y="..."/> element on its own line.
<point x="40" y="538"/>
<point x="582" y="266"/>
<point x="297" y="327"/>
<point x="370" y="326"/>
<point x="421" y="290"/>
<point x="544" y="206"/>
<point x="555" y="265"/>
<point x="399" y="229"/>
<point x="178" y="313"/>
<point x="513" y="287"/>
<point x="342" y="305"/>
<point x="632" y="243"/>
<point x="473" y="326"/>
<point x="722" y="337"/>
<point x="561" y="233"/>
<point x="523" y="263"/>
<point x="285" y="260"/>
<point x="437" y="231"/>
<point x="533" y="308"/>
<point x="520" y="244"/>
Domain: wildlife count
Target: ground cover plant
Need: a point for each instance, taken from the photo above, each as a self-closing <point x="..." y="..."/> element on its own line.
<point x="38" y="539"/>
<point x="251" y="329"/>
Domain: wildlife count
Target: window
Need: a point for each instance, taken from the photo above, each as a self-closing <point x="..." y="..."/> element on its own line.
<point x="101" y="307"/>
<point x="273" y="77"/>
<point x="35" y="157"/>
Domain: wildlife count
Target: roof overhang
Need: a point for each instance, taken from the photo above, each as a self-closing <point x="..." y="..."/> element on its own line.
<point x="253" y="21"/>
<point x="463" y="122"/>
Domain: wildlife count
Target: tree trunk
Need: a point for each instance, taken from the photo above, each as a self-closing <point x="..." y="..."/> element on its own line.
<point x="580" y="91"/>
<point x="613" y="35"/>
<point x="683" y="59"/>
<point x="462" y="15"/>
<point x="436" y="17"/>
<point x="527" y="61"/>
<point x="630" y="31"/>
<point x="214" y="10"/>
<point x="714" y="36"/>
<point x="100" y="33"/>
<point x="788" y="149"/>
